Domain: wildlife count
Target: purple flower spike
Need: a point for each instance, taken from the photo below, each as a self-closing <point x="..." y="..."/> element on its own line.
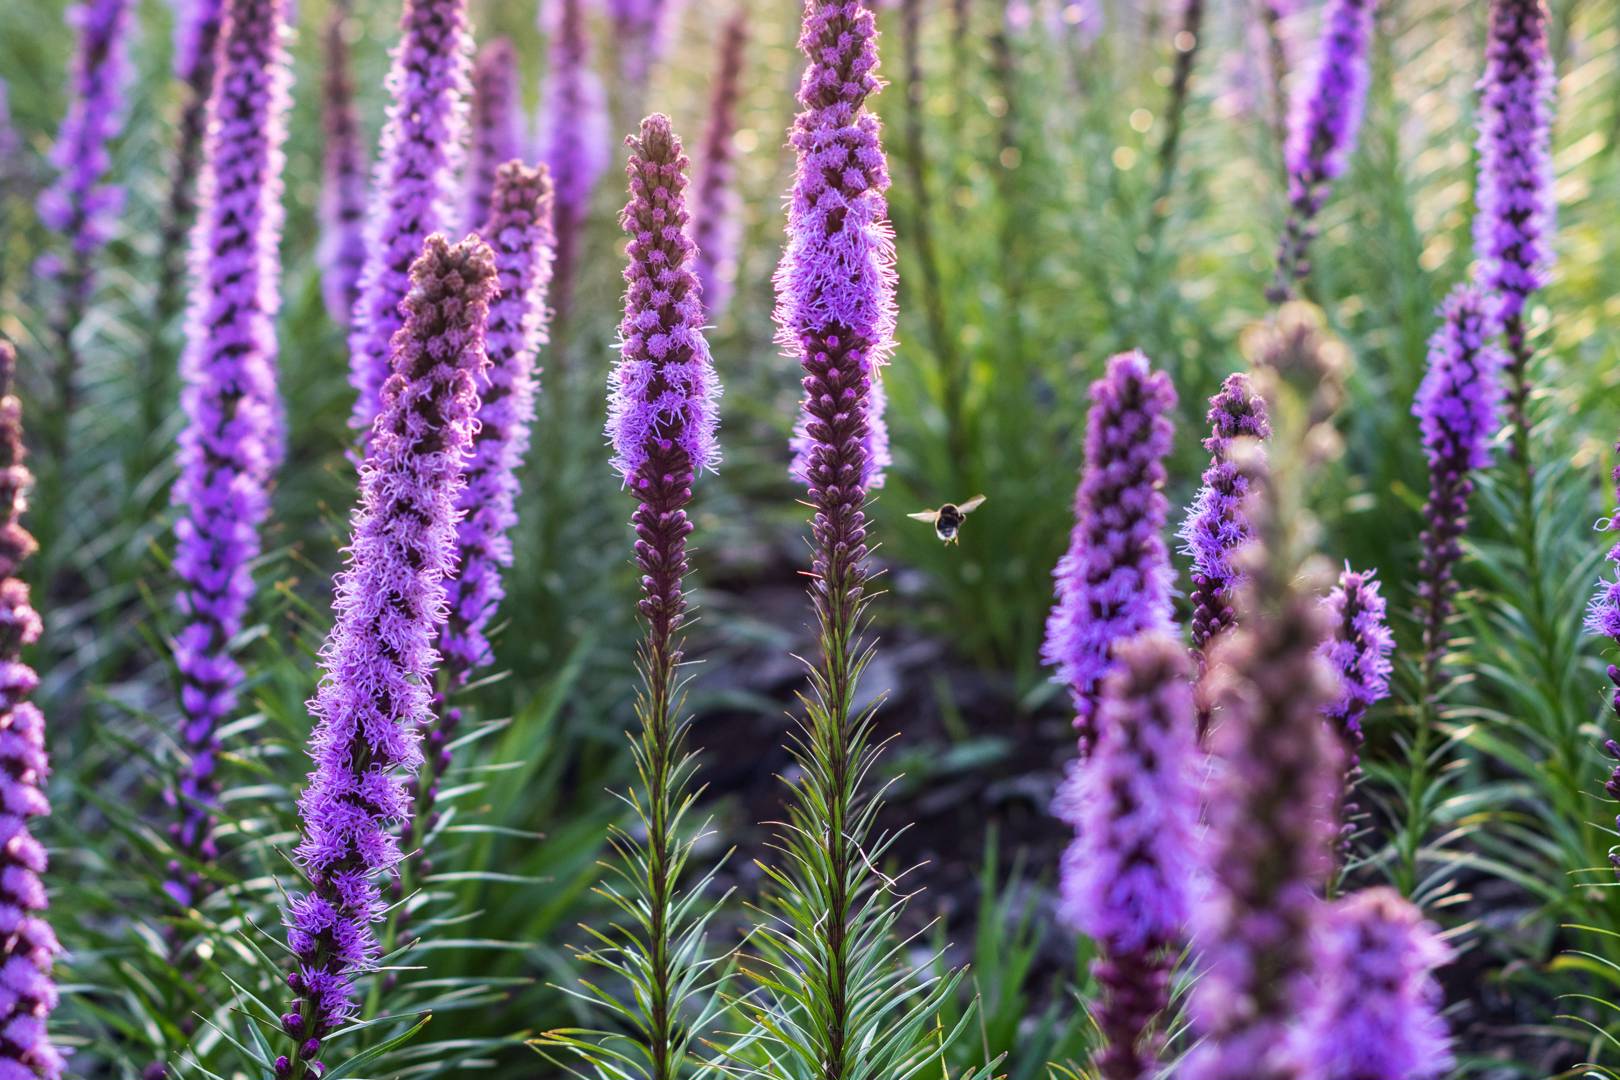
<point x="1459" y="409"/>
<point x="497" y="136"/>
<point x="342" y="254"/>
<point x="836" y="279"/>
<point x="229" y="447"/>
<point x="519" y="231"/>
<point x="662" y="395"/>
<point x="1271" y="828"/>
<point x="379" y="659"/>
<point x="1127" y="877"/>
<point x="718" y="226"/>
<point x="1217" y="526"/>
<point x="573" y="139"/>
<point x="1377" y="1013"/>
<point x="1603" y="620"/>
<point x="1114" y="582"/>
<point x="1513" y="227"/>
<point x="1322" y="132"/>
<point x="641" y="28"/>
<point x="28" y="947"/>
<point x="413" y="189"/>
<point x="196" y="57"/>
<point x="1358" y="649"/>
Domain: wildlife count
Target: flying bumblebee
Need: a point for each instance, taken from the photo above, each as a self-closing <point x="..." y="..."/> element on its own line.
<point x="947" y="520"/>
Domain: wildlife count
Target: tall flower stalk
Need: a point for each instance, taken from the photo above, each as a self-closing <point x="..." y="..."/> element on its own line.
<point x="1513" y="227"/>
<point x="1322" y="133"/>
<point x="1128" y="876"/>
<point x="342" y="251"/>
<point x="717" y="224"/>
<point x="497" y="136"/>
<point x="836" y="978"/>
<point x="642" y="29"/>
<point x="379" y="659"/>
<point x="518" y="230"/>
<point x="1458" y="408"/>
<point x="1603" y="620"/>
<point x="1114" y="581"/>
<point x="662" y="416"/>
<point x="1358" y="650"/>
<point x="80" y="205"/>
<point x="1217" y="525"/>
<point x="195" y="61"/>
<point x="230" y="445"/>
<point x="413" y="191"/>
<point x="574" y="138"/>
<point x="28" y="948"/>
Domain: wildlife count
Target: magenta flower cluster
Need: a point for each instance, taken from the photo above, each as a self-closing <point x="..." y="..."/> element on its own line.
<point x="413" y="191"/>
<point x="28" y="946"/>
<point x="497" y="126"/>
<point x="1358" y="650"/>
<point x="1114" y="582"/>
<point x="230" y="446"/>
<point x="836" y="281"/>
<point x="717" y="224"/>
<point x="379" y="659"/>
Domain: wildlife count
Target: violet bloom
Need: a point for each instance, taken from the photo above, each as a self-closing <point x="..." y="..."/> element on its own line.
<point x="413" y="188"/>
<point x="573" y="138"/>
<point x="342" y="252"/>
<point x="1322" y="132"/>
<point x="641" y="28"/>
<point x="1358" y="650"/>
<point x="718" y="225"/>
<point x="379" y="659"/>
<point x="1114" y="582"/>
<point x="229" y="448"/>
<point x="1458" y="409"/>
<point x="1513" y="227"/>
<point x="518" y="229"/>
<point x="28" y="946"/>
<point x="195" y="60"/>
<point x="1127" y="877"/>
<point x="497" y="136"/>
<point x="1271" y="827"/>
<point x="1603" y="620"/>
<point x="1377" y="1012"/>
<point x="836" y="281"/>
<point x="1217" y="527"/>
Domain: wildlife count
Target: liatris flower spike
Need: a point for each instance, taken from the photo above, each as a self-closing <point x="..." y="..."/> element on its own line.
<point x="1127" y="877"/>
<point x="1603" y="620"/>
<point x="1322" y="132"/>
<point x="1458" y="408"/>
<point x="342" y="251"/>
<point x="195" y="54"/>
<point x="1376" y="1012"/>
<point x="497" y="136"/>
<point x="229" y="446"/>
<point x="413" y="191"/>
<point x="836" y="282"/>
<point x="1513" y="227"/>
<point x="1358" y="650"/>
<point x="379" y="659"/>
<point x="1114" y="582"/>
<point x="717" y="225"/>
<point x="28" y="946"/>
<point x="641" y="28"/>
<point x="573" y="138"/>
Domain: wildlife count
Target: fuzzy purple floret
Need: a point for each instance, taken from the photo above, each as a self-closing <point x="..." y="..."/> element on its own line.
<point x="413" y="190"/>
<point x="1603" y="620"/>
<point x="79" y="205"/>
<point x="28" y="946"/>
<point x="1513" y="226"/>
<point x="518" y="230"/>
<point x="837" y="274"/>
<point x="342" y="248"/>
<point x="1377" y="1011"/>
<point x="663" y="389"/>
<point x="1217" y="527"/>
<point x="1323" y="128"/>
<point x="1358" y="650"/>
<point x="1127" y="878"/>
<point x="1458" y="406"/>
<point x="1114" y="581"/>
<point x="379" y="659"/>
<point x="230" y="446"/>
<point x="574" y="140"/>
<point x="717" y="222"/>
<point x="497" y="126"/>
<point x="1272" y="813"/>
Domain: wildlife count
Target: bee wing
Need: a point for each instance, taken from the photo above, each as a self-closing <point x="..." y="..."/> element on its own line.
<point x="972" y="504"/>
<point x="929" y="516"/>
